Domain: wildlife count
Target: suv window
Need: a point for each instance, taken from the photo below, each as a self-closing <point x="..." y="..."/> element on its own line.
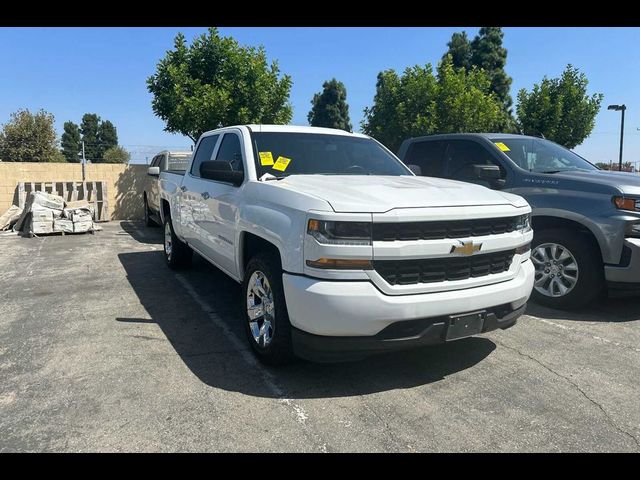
<point x="155" y="161"/>
<point x="462" y="155"/>
<point x="428" y="155"/>
<point x="230" y="151"/>
<point x="203" y="153"/>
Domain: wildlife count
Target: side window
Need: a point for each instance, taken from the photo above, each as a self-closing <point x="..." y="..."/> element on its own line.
<point x="429" y="156"/>
<point x="462" y="155"/>
<point x="203" y="153"/>
<point x="162" y="164"/>
<point x="154" y="162"/>
<point x="230" y="151"/>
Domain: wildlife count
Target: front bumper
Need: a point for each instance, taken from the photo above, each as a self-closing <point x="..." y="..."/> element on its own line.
<point x="630" y="271"/>
<point x="358" y="309"/>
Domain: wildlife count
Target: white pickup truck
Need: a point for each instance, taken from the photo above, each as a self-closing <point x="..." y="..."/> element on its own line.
<point x="341" y="250"/>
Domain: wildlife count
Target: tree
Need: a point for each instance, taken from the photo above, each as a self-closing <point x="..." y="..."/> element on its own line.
<point x="421" y="103"/>
<point x="89" y="129"/>
<point x="330" y="108"/>
<point x="216" y="82"/>
<point x="29" y="137"/>
<point x="488" y="53"/>
<point x="116" y="154"/>
<point x="559" y="108"/>
<point x="71" y="142"/>
<point x="460" y="50"/>
<point x="107" y="138"/>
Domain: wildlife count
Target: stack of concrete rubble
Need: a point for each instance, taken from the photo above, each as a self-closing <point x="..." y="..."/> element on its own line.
<point x="45" y="213"/>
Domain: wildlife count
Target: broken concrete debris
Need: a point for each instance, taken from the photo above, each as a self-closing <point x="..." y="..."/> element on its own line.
<point x="47" y="213"/>
<point x="10" y="217"/>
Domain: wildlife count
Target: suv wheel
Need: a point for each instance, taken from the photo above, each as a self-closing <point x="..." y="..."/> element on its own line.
<point x="266" y="321"/>
<point x="569" y="272"/>
<point x="177" y="253"/>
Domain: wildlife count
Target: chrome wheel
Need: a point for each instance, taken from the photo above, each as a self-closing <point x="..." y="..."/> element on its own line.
<point x="556" y="269"/>
<point x="167" y="239"/>
<point x="260" y="308"/>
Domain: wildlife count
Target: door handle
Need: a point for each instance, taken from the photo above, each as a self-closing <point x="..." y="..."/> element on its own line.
<point x="183" y="188"/>
<point x="206" y="195"/>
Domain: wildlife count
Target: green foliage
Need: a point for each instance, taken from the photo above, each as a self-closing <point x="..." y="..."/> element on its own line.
<point x="29" y="137"/>
<point x="421" y="103"/>
<point x="460" y="50"/>
<point x="330" y="108"/>
<point x="89" y="129"/>
<point x="116" y="154"/>
<point x="107" y="137"/>
<point x="71" y="142"/>
<point x="217" y="82"/>
<point x="488" y="53"/>
<point x="559" y="108"/>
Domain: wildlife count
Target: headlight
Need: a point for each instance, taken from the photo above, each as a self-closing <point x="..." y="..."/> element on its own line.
<point x="624" y="203"/>
<point x="523" y="223"/>
<point x="340" y="233"/>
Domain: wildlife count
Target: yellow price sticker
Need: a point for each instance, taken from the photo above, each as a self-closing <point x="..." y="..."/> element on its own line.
<point x="281" y="164"/>
<point x="502" y="147"/>
<point x="266" y="158"/>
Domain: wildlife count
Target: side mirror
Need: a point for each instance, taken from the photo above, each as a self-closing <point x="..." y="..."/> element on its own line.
<point x="415" y="169"/>
<point x="490" y="173"/>
<point x="221" y="171"/>
<point x="153" y="171"/>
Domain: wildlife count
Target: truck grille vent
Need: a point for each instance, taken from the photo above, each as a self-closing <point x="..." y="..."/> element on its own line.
<point x="409" y="272"/>
<point x="389" y="232"/>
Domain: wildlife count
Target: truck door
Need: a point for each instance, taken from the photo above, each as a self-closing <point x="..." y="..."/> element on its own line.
<point x="461" y="157"/>
<point x="428" y="155"/>
<point x="193" y="214"/>
<point x="221" y="200"/>
<point x="154" y="194"/>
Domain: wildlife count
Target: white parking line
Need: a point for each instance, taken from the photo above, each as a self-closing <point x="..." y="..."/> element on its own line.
<point x="247" y="356"/>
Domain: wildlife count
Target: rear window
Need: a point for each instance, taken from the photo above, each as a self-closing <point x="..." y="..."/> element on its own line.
<point x="178" y="162"/>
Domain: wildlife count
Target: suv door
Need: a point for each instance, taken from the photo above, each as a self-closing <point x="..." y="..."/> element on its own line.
<point x="193" y="214"/>
<point x="221" y="200"/>
<point x="460" y="158"/>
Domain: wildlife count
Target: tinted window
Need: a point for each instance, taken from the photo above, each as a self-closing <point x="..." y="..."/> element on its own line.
<point x="282" y="154"/>
<point x="230" y="151"/>
<point x="462" y="155"/>
<point x="156" y="160"/>
<point x="428" y="156"/>
<point x="204" y="153"/>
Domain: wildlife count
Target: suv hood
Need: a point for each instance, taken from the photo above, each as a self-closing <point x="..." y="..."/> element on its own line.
<point x="379" y="194"/>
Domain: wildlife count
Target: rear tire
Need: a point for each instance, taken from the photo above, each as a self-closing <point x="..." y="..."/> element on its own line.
<point x="177" y="253"/>
<point x="148" y="221"/>
<point x="577" y="267"/>
<point x="268" y="329"/>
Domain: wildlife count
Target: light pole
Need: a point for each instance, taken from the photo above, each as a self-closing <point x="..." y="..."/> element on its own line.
<point x="621" y="108"/>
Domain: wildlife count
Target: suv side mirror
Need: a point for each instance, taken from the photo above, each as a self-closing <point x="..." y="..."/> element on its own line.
<point x="221" y="171"/>
<point x="415" y="169"/>
<point x="490" y="173"/>
<point x="153" y="171"/>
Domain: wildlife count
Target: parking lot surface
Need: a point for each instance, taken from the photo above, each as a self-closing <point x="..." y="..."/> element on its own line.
<point x="103" y="348"/>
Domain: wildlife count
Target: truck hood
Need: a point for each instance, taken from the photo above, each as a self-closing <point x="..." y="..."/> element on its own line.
<point x="626" y="182"/>
<point x="379" y="194"/>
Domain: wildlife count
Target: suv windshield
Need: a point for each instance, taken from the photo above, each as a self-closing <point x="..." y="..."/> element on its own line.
<point x="282" y="154"/>
<point x="541" y="156"/>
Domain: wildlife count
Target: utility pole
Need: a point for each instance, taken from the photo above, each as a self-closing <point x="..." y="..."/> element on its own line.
<point x="84" y="161"/>
<point x="620" y="108"/>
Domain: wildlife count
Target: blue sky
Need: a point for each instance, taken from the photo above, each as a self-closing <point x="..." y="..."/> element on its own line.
<point x="70" y="71"/>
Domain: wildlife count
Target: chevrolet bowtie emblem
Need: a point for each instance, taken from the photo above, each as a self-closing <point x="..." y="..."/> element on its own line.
<point x="466" y="248"/>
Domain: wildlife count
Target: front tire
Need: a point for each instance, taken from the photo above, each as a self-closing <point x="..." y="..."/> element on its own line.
<point x="569" y="270"/>
<point x="266" y="320"/>
<point x="177" y="253"/>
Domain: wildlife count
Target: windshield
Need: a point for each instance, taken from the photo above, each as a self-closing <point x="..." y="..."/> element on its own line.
<point x="178" y="162"/>
<point x="281" y="154"/>
<point x="541" y="156"/>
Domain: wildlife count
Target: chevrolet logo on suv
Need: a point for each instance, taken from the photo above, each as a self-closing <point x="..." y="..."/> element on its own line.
<point x="466" y="248"/>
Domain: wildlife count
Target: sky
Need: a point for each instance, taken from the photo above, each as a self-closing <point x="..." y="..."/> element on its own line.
<point x="72" y="71"/>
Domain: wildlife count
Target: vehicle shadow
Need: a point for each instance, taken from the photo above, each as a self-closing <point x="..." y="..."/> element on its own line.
<point x="602" y="310"/>
<point x="141" y="233"/>
<point x="207" y="352"/>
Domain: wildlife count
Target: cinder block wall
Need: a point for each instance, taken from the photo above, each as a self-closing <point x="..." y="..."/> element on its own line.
<point x="125" y="183"/>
